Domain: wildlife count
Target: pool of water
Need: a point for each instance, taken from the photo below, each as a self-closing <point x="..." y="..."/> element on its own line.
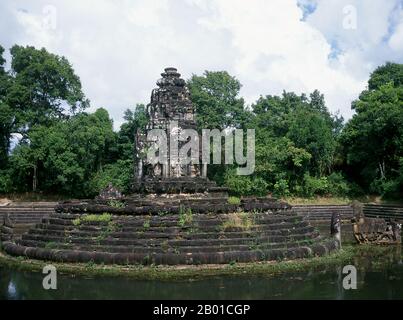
<point x="372" y="283"/>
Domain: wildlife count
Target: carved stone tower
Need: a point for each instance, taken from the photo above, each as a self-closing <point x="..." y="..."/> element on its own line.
<point x="170" y="103"/>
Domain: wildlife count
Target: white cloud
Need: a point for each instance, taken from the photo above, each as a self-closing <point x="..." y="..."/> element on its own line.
<point x="277" y="50"/>
<point x="147" y="16"/>
<point x="396" y="40"/>
<point x="119" y="48"/>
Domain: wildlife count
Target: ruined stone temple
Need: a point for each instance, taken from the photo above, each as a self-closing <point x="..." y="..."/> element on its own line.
<point x="175" y="215"/>
<point x="170" y="102"/>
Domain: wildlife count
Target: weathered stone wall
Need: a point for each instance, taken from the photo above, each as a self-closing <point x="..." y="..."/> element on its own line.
<point x="384" y="211"/>
<point x="323" y="213"/>
<point x="24" y="215"/>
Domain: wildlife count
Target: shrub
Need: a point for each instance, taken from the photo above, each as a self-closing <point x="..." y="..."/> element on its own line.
<point x="147" y="223"/>
<point x="281" y="188"/>
<point x="315" y="186"/>
<point x="120" y="174"/>
<point x="116" y="204"/>
<point x="5" y="182"/>
<point x="356" y="190"/>
<point x="185" y="217"/>
<point x="234" y="201"/>
<point x="104" y="218"/>
<point x="392" y="189"/>
<point x="245" y="185"/>
<point x="338" y="185"/>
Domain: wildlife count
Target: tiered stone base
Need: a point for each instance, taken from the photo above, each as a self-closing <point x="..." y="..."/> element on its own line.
<point x="172" y="204"/>
<point x="172" y="239"/>
<point x="176" y="185"/>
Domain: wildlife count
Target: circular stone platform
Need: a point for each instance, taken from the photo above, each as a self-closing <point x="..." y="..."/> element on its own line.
<point x="172" y="233"/>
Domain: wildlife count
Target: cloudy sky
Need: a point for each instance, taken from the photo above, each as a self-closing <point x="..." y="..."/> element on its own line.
<point x="119" y="48"/>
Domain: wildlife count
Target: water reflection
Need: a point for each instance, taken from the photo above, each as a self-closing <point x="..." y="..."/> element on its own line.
<point x="11" y="291"/>
<point x="323" y="284"/>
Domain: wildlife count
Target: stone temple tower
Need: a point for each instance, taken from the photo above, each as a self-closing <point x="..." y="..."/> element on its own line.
<point x="170" y="103"/>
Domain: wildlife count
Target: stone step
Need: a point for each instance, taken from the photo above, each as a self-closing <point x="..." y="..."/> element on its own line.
<point x="163" y="217"/>
<point x="384" y="205"/>
<point x="155" y="208"/>
<point x="17" y="222"/>
<point x="172" y="221"/>
<point x="24" y="212"/>
<point x="166" y="249"/>
<point x="16" y="209"/>
<point x="172" y="229"/>
<point x="326" y="217"/>
<point x="383" y="210"/>
<point x="169" y="258"/>
<point x="21" y="216"/>
<point x="164" y="238"/>
<point x="325" y="212"/>
<point x="171" y="235"/>
<point x="315" y="208"/>
<point x="171" y="242"/>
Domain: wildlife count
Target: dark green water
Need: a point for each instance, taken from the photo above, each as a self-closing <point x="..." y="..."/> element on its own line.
<point x="373" y="283"/>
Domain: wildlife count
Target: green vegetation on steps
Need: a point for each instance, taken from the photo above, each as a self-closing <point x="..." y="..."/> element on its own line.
<point x="239" y="221"/>
<point x="185" y="217"/>
<point x="234" y="200"/>
<point x="102" y="218"/>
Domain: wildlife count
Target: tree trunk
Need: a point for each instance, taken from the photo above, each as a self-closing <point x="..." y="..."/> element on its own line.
<point x="35" y="179"/>
<point x="382" y="170"/>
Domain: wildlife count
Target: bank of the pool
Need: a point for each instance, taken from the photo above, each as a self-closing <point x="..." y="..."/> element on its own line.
<point x="189" y="272"/>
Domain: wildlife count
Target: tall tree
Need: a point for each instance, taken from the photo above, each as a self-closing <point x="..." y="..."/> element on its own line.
<point x="309" y="130"/>
<point x="373" y="138"/>
<point x="45" y="88"/>
<point x="40" y="88"/>
<point x="6" y="113"/>
<point x="66" y="155"/>
<point x="216" y="97"/>
<point x="306" y="122"/>
<point x="389" y="72"/>
<point x="134" y="120"/>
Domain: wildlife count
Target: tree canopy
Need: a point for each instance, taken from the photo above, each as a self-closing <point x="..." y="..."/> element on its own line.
<point x="40" y="88"/>
<point x="217" y="101"/>
<point x="373" y="138"/>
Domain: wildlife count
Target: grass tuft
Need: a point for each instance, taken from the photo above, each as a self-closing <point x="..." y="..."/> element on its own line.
<point x="234" y="201"/>
<point x="239" y="220"/>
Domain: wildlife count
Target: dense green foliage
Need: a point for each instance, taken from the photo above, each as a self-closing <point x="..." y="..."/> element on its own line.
<point x="134" y="120"/>
<point x="296" y="141"/>
<point x="215" y="95"/>
<point x="373" y="139"/>
<point x="301" y="148"/>
<point x="66" y="154"/>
